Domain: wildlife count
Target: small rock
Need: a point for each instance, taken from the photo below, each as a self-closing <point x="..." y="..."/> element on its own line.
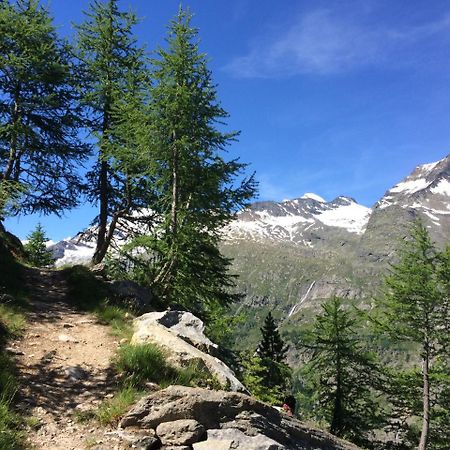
<point x="67" y="338"/>
<point x="68" y="325"/>
<point x="76" y="373"/>
<point x="180" y="432"/>
<point x="123" y="341"/>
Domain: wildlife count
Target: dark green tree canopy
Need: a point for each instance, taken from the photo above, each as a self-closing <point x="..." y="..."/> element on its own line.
<point x="36" y="250"/>
<point x="39" y="120"/>
<point x="197" y="190"/>
<point x="112" y="87"/>
<point x="271" y="345"/>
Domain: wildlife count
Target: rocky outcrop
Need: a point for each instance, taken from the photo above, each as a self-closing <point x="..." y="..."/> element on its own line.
<point x="181" y="335"/>
<point x="216" y="420"/>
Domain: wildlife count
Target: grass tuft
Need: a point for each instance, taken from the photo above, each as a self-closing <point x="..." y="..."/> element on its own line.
<point x="110" y="411"/>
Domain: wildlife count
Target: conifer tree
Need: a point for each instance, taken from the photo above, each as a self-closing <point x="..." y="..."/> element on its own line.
<point x="36" y="250"/>
<point x="196" y="187"/>
<point x="266" y="374"/>
<point x="416" y="308"/>
<point x="113" y="79"/>
<point x="271" y="345"/>
<point x="343" y="374"/>
<point x="39" y="146"/>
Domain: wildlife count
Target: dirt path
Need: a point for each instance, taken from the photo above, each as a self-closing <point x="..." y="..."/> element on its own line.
<point x="63" y="363"/>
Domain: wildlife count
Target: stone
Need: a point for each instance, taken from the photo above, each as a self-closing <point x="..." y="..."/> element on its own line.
<point x="222" y="410"/>
<point x="214" y="444"/>
<point x="180" y="432"/>
<point x="67" y="338"/>
<point x="239" y="440"/>
<point x="76" y="373"/>
<point x="177" y="332"/>
<point x="14" y="351"/>
<point x="140" y="439"/>
<point x="131" y="294"/>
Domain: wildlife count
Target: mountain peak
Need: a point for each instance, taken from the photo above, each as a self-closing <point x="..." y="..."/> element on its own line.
<point x="312" y="196"/>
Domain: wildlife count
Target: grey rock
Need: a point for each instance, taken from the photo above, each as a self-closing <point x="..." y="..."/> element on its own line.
<point x="140" y="439"/>
<point x="180" y="432"/>
<point x="76" y="373"/>
<point x="229" y="410"/>
<point x="176" y="332"/>
<point x="236" y="439"/>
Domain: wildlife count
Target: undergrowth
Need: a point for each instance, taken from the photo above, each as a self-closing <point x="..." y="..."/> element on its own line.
<point x="11" y="325"/>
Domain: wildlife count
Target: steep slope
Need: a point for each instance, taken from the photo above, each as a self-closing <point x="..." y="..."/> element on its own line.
<point x="289" y="258"/>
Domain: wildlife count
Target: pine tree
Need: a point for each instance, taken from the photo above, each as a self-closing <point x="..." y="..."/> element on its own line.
<point x="271" y="345"/>
<point x="196" y="187"/>
<point x="342" y="373"/>
<point x="39" y="146"/>
<point x="36" y="250"/>
<point x="266" y="374"/>
<point x="416" y="308"/>
<point x="114" y="75"/>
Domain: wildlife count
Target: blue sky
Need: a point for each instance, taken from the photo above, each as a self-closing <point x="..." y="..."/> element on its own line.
<point x="334" y="97"/>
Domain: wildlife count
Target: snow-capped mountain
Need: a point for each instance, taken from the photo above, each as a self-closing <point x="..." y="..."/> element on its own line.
<point x="426" y="190"/>
<point x="295" y="220"/>
<point x="310" y="222"/>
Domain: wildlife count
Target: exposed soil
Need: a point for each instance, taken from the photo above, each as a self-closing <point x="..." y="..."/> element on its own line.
<point x="64" y="367"/>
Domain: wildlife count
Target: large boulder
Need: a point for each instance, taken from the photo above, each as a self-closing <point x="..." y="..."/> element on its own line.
<point x="235" y="420"/>
<point x="181" y="335"/>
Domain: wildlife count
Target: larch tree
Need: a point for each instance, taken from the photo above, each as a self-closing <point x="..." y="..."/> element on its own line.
<point x="344" y="376"/>
<point x="416" y="308"/>
<point x="40" y="152"/>
<point x="198" y="191"/>
<point x="113" y="76"/>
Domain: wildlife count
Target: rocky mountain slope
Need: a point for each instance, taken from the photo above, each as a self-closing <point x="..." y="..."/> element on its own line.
<point x="290" y="255"/>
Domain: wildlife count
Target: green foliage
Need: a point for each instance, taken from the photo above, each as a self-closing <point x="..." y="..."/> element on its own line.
<point x="147" y="362"/>
<point x="344" y="377"/>
<point x="416" y="309"/>
<point x="265" y="374"/>
<point x="40" y="148"/>
<point x="110" y="411"/>
<point x="271" y="345"/>
<point x="112" y="80"/>
<point x="10" y="435"/>
<point x="195" y="191"/>
<point x="35" y="249"/>
<point x="267" y="380"/>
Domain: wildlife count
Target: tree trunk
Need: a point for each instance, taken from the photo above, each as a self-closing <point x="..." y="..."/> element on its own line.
<point x="13" y="144"/>
<point x="100" y="252"/>
<point x="426" y="402"/>
<point x="336" y="422"/>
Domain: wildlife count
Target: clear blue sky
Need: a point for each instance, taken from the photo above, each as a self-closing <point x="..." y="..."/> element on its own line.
<point x="334" y="97"/>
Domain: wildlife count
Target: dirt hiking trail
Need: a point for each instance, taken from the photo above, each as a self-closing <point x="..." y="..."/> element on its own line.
<point x="63" y="361"/>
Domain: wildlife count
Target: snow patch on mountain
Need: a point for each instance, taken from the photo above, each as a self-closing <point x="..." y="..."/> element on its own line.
<point x="443" y="188"/>
<point x="409" y="187"/>
<point x="312" y="196"/>
<point x="352" y="217"/>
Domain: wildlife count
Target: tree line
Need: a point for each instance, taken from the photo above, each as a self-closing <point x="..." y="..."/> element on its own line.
<point x="140" y="137"/>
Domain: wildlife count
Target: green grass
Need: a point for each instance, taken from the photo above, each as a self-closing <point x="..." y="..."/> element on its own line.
<point x="138" y="364"/>
<point x="110" y="411"/>
<point x="10" y="423"/>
